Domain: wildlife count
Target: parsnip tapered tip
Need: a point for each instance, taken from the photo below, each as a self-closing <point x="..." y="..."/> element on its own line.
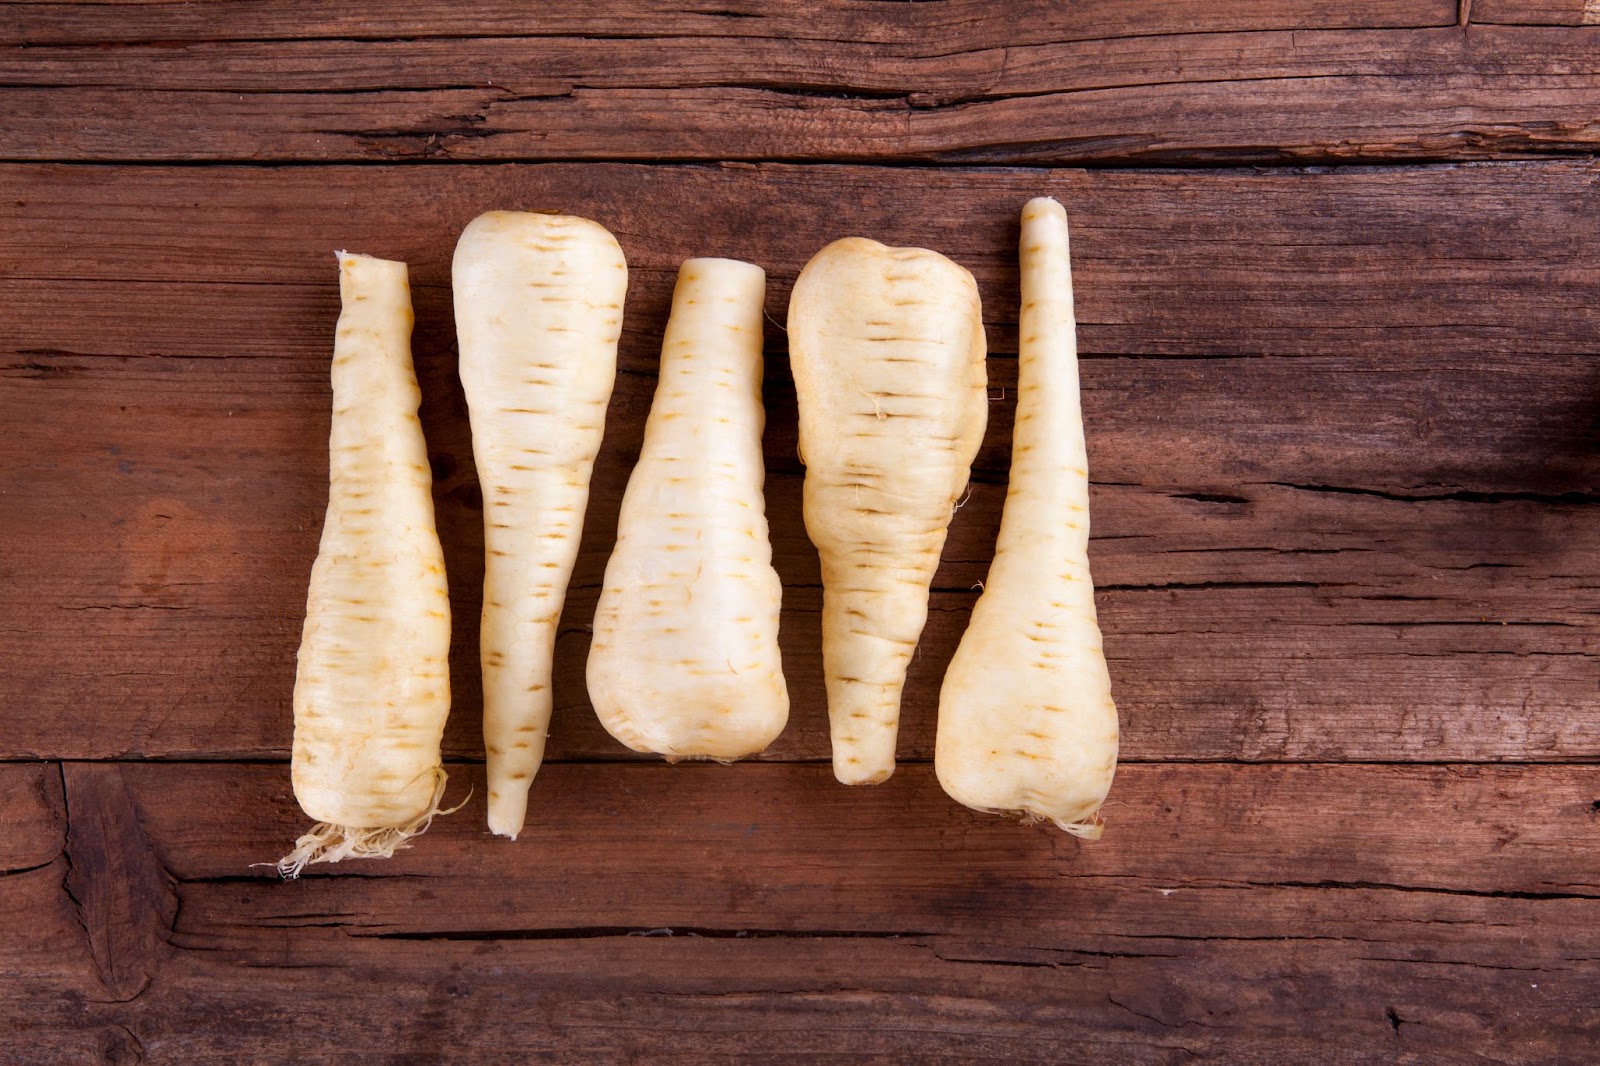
<point x="508" y="812"/>
<point x="852" y="771"/>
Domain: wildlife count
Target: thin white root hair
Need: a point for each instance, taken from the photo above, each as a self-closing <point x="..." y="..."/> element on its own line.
<point x="327" y="842"/>
<point x="1086" y="830"/>
<point x="1090" y="828"/>
<point x="674" y="758"/>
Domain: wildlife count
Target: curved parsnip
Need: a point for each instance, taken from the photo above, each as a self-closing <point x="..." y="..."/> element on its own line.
<point x="372" y="684"/>
<point x="1026" y="721"/>
<point x="887" y="347"/>
<point x="685" y="658"/>
<point x="538" y="312"/>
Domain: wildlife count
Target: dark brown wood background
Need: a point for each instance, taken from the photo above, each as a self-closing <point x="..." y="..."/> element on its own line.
<point x="1341" y="341"/>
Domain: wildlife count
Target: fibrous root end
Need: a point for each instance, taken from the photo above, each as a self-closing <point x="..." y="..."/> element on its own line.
<point x="327" y="842"/>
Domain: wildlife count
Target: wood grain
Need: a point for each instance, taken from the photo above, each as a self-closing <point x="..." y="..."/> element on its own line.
<point x="949" y="24"/>
<point x="1344" y="426"/>
<point x="1536" y="12"/>
<point x="1273" y="502"/>
<point x="1259" y="96"/>
<point x="1363" y="935"/>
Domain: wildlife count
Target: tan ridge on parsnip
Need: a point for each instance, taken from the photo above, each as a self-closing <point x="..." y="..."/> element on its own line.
<point x="372" y="684"/>
<point x="1026" y="721"/>
<point x="538" y="303"/>
<point x="685" y="657"/>
<point x="887" y="348"/>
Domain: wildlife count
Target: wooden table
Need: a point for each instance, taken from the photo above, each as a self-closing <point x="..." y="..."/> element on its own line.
<point x="1341" y="344"/>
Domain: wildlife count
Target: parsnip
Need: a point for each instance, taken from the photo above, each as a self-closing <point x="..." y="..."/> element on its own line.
<point x="372" y="686"/>
<point x="1026" y="720"/>
<point x="887" y="347"/>
<point x="538" y="312"/>
<point x="685" y="658"/>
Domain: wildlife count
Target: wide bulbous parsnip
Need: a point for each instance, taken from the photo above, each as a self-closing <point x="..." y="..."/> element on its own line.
<point x="887" y="349"/>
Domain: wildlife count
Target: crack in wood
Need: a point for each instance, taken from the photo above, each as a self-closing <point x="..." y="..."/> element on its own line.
<point x="18" y="871"/>
<point x="605" y="932"/>
<point x="1553" y="499"/>
<point x="1381" y="886"/>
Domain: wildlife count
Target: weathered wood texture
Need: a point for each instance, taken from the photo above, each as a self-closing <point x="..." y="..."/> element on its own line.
<point x="1343" y="432"/>
<point x="1537" y="12"/>
<point x="949" y="24"/>
<point x="1426" y="913"/>
<point x="1334" y="420"/>
<point x="954" y="82"/>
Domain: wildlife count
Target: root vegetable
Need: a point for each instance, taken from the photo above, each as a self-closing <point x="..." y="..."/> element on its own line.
<point x="1026" y="720"/>
<point x="538" y="311"/>
<point x="685" y="658"/>
<point x="372" y="684"/>
<point x="887" y="347"/>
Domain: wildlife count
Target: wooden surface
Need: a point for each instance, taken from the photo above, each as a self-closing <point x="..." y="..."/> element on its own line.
<point x="1345" y="450"/>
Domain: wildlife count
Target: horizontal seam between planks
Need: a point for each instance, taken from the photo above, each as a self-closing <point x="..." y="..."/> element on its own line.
<point x="909" y="38"/>
<point x="823" y="761"/>
<point x="1182" y="161"/>
<point x="1299" y="167"/>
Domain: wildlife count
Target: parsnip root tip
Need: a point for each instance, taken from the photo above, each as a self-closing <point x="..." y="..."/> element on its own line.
<point x="500" y="828"/>
<point x="327" y="842"/>
<point x="1085" y="830"/>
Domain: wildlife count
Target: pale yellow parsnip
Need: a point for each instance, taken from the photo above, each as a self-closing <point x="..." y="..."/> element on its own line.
<point x="1026" y="719"/>
<point x="685" y="658"/>
<point x="887" y="349"/>
<point x="538" y="302"/>
<point x="372" y="682"/>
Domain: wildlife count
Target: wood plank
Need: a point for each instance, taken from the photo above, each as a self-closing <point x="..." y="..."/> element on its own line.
<point x="642" y="915"/>
<point x="1270" y="96"/>
<point x="951" y="24"/>
<point x="1424" y="248"/>
<point x="1536" y="12"/>
<point x="1261" y="523"/>
<point x="1231" y="629"/>
<point x="660" y="999"/>
<point x="656" y="845"/>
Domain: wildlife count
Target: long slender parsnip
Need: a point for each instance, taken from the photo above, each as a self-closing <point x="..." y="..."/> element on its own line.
<point x="888" y="350"/>
<point x="1026" y="721"/>
<point x="538" y="313"/>
<point x="685" y="658"/>
<point x="372" y="687"/>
